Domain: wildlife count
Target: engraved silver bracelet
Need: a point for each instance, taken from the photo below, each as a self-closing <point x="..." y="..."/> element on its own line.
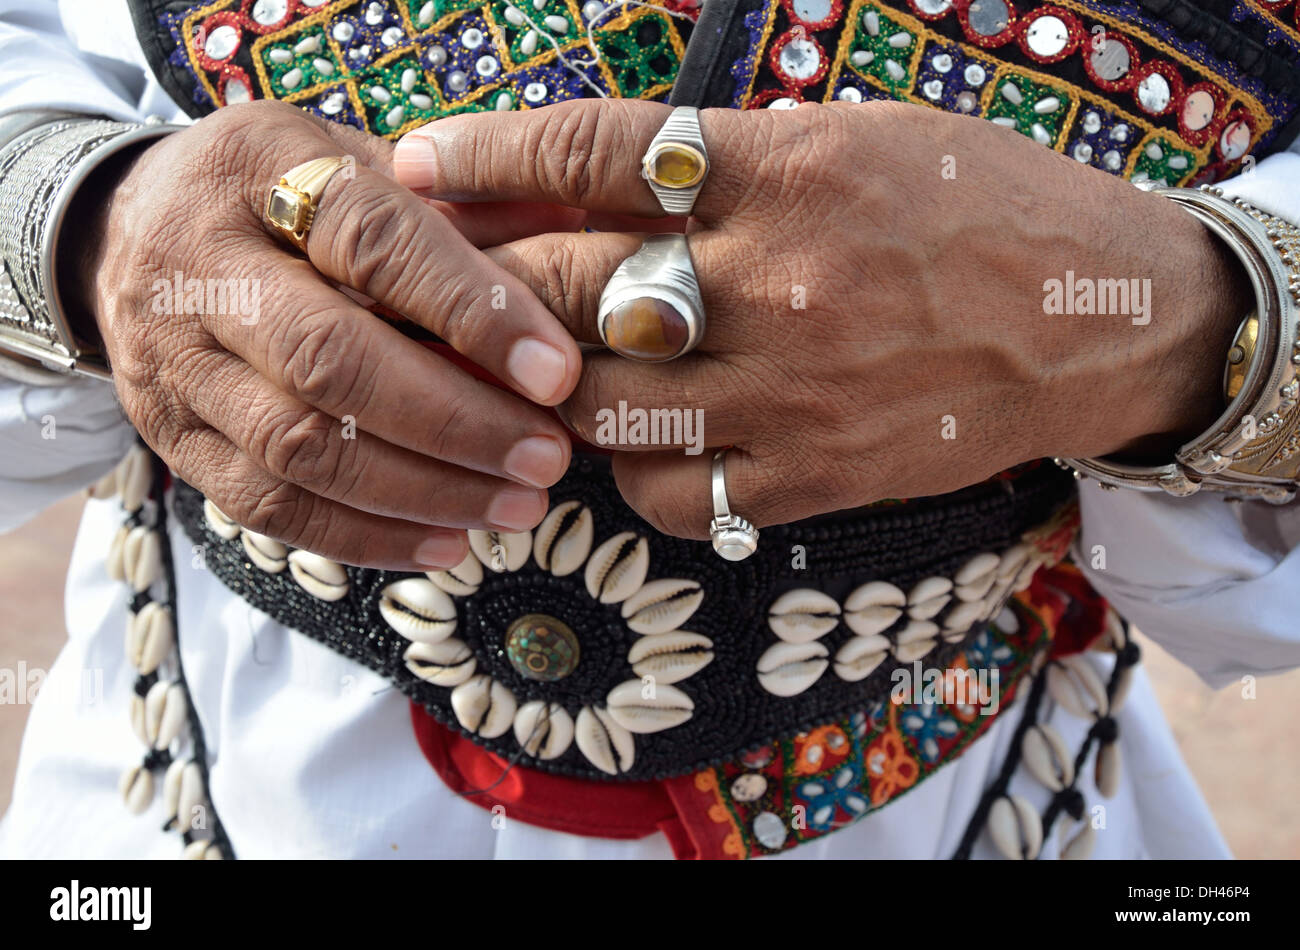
<point x="41" y="171"/>
<point x="1252" y="451"/>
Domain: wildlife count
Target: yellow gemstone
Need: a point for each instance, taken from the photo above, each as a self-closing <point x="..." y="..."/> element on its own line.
<point x="675" y="166"/>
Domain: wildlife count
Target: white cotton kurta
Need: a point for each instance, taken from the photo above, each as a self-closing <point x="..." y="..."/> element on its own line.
<point x="312" y="755"/>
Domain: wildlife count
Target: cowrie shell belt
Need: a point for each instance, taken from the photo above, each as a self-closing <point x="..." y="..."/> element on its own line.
<point x="597" y="647"/>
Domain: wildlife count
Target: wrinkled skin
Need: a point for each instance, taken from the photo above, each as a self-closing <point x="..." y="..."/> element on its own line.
<point x="924" y="298"/>
<point x="318" y="423"/>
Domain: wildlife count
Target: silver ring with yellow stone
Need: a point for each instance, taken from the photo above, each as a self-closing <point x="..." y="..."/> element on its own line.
<point x="651" y="310"/>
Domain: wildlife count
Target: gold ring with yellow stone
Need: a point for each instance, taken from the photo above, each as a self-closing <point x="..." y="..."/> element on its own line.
<point x="291" y="205"/>
<point x="676" y="163"/>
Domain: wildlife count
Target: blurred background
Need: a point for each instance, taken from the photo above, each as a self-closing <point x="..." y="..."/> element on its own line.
<point x="1242" y="753"/>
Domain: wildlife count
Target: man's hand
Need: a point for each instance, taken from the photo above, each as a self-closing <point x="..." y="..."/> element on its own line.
<point x="875" y="277"/>
<point x="312" y="420"/>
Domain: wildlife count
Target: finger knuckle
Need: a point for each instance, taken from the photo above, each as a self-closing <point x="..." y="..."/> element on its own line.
<point x="278" y="511"/>
<point x="321" y="361"/>
<point x="567" y="157"/>
<point x="368" y="236"/>
<point x="299" y="447"/>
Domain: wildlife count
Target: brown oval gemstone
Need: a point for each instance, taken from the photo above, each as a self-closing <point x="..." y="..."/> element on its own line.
<point x="646" y="328"/>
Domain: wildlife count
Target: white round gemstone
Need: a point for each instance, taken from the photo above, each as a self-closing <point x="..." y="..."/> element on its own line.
<point x="849" y="94"/>
<point x="221" y="42"/>
<point x="592" y="9"/>
<point x="1083" y="153"/>
<point x="472" y="38"/>
<point x="933" y="89"/>
<point x="391" y="36"/>
<point x="1153" y="93"/>
<point x="486" y="66"/>
<point x="942" y="63"/>
<point x="237" y="91"/>
<point x="785" y="102"/>
<point x="457" y="80"/>
<point x="812" y="11"/>
<point x="770" y="831"/>
<point x="1047" y="36"/>
<point x="344" y="31"/>
<point x="800" y="59"/>
<point x="975" y="75"/>
<point x="966" y="101"/>
<point x="266" y="12"/>
<point x="1091" y="123"/>
<point x="375" y="14"/>
<point x="333" y="103"/>
<point x="1112" y="160"/>
<point x="535" y="92"/>
<point x="437" y="55"/>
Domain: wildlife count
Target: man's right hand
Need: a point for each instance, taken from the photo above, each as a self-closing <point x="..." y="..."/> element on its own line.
<point x="254" y="410"/>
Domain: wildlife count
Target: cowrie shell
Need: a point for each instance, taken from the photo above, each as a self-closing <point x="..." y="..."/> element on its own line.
<point x="928" y="589"/>
<point x="136" y="711"/>
<point x="870" y="620"/>
<point x="1106" y="771"/>
<point x="909" y="652"/>
<point x="418" y="610"/>
<point x="544" y="730"/>
<point x="484" y="706"/>
<point x="1015" y="828"/>
<point x="136" y="789"/>
<point x="977" y="589"/>
<point x="319" y="576"/>
<point x="606" y="744"/>
<point x="875" y="594"/>
<point x="916" y="630"/>
<point x="201" y="850"/>
<point x="165" y="709"/>
<point x="648" y="707"/>
<point x="976" y="568"/>
<point x="1013" y="559"/>
<point x="671" y="657"/>
<point x="141" y="558"/>
<point x="1079" y="848"/>
<point x="150" y="635"/>
<point x="106" y="487"/>
<point x="172" y="788"/>
<point x="563" y="539"/>
<point x="663" y="605"/>
<point x="266" y="553"/>
<point x="1075" y="685"/>
<point x="1046" y="757"/>
<point x="463" y="580"/>
<point x="798" y="616"/>
<point x="860" y="656"/>
<point x="113" y="565"/>
<point x="221" y="524"/>
<point x="929" y="608"/>
<point x="617" y="569"/>
<point x="448" y="663"/>
<point x="191" y="799"/>
<point x="501" y="552"/>
<point x="963" y="616"/>
<point x="787" y="669"/>
<point x="134" y="477"/>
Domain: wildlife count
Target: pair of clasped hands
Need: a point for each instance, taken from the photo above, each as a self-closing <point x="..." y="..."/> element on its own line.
<point x="875" y="324"/>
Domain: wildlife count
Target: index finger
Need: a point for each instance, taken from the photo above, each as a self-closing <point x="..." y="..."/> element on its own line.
<point x="584" y="153"/>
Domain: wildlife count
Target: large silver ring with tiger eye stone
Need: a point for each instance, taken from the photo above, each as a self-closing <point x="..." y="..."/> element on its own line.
<point x="734" y="538"/>
<point x="651" y="310"/>
<point x="677" y="162"/>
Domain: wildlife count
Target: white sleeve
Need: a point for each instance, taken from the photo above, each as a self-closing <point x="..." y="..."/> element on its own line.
<point x="57" y="439"/>
<point x="1216" y="583"/>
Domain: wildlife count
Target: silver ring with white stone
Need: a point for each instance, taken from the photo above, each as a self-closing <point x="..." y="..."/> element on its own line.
<point x="676" y="163"/>
<point x="734" y="538"/>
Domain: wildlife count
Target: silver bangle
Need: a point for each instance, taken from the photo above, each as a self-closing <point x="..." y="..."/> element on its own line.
<point x="41" y="172"/>
<point x="1253" y="449"/>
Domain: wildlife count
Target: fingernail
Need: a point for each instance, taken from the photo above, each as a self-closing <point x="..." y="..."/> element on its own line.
<point x="516" y="509"/>
<point x="537" y="368"/>
<point x="537" y="460"/>
<point x="441" y="551"/>
<point x="413" y="162"/>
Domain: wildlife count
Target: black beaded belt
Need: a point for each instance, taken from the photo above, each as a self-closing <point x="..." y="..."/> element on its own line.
<point x="597" y="647"/>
